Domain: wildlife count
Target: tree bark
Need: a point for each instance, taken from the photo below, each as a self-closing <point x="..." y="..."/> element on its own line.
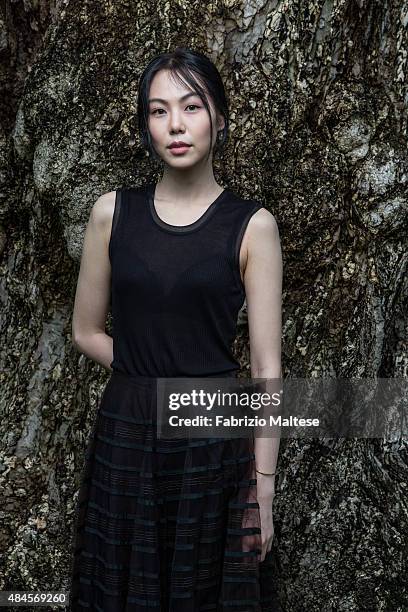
<point x="319" y="122"/>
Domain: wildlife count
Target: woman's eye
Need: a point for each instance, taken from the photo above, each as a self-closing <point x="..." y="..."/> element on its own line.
<point x="160" y="109"/>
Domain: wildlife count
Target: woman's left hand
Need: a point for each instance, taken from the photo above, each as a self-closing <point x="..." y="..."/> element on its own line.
<point x="265" y="495"/>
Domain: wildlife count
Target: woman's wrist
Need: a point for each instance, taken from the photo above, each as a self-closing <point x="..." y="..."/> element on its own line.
<point x="265" y="473"/>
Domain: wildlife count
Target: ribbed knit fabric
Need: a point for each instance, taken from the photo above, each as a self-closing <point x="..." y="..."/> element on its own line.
<point x="170" y="525"/>
<point x="176" y="291"/>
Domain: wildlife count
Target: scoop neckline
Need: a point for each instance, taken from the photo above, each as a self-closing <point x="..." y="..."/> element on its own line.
<point x="182" y="229"/>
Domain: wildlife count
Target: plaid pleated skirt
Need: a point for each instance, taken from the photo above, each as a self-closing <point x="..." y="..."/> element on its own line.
<point x="165" y="525"/>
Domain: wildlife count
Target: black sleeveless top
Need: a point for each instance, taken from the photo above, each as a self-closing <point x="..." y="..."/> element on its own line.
<point x="176" y="290"/>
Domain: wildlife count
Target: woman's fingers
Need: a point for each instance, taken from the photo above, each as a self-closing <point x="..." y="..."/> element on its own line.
<point x="267" y="528"/>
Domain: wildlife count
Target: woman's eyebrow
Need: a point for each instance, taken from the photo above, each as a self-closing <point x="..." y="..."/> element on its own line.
<point x="188" y="95"/>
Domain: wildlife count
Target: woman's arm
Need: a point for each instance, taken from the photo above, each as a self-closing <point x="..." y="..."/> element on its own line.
<point x="263" y="287"/>
<point x="92" y="296"/>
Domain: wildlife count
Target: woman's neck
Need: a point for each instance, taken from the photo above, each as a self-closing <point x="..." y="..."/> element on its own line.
<point x="179" y="188"/>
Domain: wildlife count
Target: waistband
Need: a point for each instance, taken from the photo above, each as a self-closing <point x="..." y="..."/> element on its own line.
<point x="151" y="380"/>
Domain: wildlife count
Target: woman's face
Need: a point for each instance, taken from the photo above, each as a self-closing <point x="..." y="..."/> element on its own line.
<point x="179" y="115"/>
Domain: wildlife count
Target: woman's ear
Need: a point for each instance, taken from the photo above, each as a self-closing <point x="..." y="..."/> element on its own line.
<point x="220" y="123"/>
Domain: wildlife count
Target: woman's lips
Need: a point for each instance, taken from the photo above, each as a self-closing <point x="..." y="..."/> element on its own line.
<point x="179" y="150"/>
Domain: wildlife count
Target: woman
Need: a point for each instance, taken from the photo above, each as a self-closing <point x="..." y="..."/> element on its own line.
<point x="165" y="524"/>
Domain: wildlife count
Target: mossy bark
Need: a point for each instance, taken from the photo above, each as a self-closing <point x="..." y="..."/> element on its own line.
<point x="319" y="124"/>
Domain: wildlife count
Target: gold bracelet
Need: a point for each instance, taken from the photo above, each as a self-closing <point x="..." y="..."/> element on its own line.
<point x="265" y="473"/>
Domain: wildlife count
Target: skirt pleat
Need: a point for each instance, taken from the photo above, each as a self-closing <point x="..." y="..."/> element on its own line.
<point x="170" y="525"/>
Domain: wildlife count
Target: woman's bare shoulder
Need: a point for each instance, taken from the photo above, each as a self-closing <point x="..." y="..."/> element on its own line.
<point x="263" y="225"/>
<point x="101" y="215"/>
<point x="103" y="208"/>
